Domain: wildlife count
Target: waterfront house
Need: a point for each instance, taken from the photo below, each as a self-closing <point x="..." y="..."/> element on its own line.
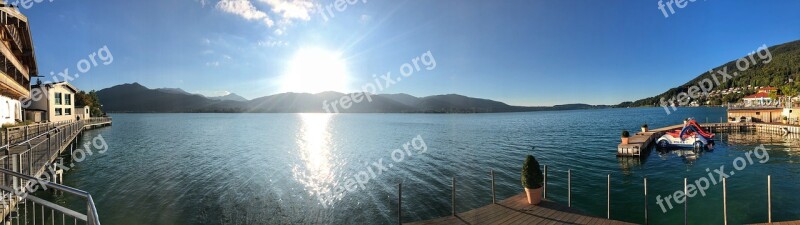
<point x="57" y="100"/>
<point x="17" y="64"/>
<point x="761" y="97"/>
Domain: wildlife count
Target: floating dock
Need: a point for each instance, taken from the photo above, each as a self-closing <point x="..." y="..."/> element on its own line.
<point x="639" y="143"/>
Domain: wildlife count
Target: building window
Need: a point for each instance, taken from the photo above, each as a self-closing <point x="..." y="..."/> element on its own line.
<point x="68" y="99"/>
<point x="58" y="112"/>
<point x="58" y="99"/>
<point x="68" y="111"/>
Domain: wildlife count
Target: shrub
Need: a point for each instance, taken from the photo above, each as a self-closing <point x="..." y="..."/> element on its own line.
<point x="644" y="125"/>
<point x="532" y="176"/>
<point x="625" y="134"/>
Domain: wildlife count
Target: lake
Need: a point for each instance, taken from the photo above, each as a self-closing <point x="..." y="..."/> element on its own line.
<point x="271" y="168"/>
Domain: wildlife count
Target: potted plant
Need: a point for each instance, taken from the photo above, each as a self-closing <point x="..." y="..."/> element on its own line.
<point x="785" y="120"/>
<point x="644" y="127"/>
<point x="532" y="180"/>
<point x="625" y="137"/>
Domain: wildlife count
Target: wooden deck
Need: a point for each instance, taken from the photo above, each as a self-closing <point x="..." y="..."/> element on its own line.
<point x="781" y="223"/>
<point x="515" y="210"/>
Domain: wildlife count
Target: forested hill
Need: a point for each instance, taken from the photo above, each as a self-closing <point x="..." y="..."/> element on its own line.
<point x="784" y="67"/>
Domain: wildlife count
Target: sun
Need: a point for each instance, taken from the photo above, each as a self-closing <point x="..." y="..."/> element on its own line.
<point x="315" y="70"/>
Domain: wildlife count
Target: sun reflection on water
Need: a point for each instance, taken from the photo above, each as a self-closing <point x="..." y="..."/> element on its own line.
<point x="314" y="149"/>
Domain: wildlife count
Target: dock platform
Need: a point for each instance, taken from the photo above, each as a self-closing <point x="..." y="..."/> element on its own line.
<point x="639" y="143"/>
<point x="515" y="210"/>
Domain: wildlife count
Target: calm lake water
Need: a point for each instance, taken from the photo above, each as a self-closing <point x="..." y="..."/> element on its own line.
<point x="269" y="168"/>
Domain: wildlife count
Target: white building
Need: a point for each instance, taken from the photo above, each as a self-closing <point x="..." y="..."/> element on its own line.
<point x="17" y="64"/>
<point x="56" y="100"/>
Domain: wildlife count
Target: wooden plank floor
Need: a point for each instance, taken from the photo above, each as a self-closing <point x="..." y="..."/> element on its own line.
<point x="782" y="223"/>
<point x="515" y="210"/>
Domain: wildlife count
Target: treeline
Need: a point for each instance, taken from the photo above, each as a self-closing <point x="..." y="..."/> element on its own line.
<point x="782" y="72"/>
<point x="89" y="99"/>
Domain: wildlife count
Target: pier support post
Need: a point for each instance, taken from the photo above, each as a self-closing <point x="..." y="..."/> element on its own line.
<point x="400" y="203"/>
<point x="608" y="197"/>
<point x="769" y="198"/>
<point x="685" y="202"/>
<point x="725" y="200"/>
<point x="569" y="188"/>
<point x="545" y="183"/>
<point x="494" y="199"/>
<point x="645" y="201"/>
<point x="454" y="196"/>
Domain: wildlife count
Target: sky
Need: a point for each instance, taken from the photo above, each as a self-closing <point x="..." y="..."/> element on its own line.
<point x="527" y="52"/>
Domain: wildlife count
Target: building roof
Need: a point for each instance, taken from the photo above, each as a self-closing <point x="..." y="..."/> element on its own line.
<point x="25" y="41"/>
<point x="50" y="85"/>
<point x="768" y="88"/>
<point x="759" y="95"/>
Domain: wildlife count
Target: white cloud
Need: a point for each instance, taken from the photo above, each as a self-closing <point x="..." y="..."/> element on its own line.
<point x="291" y="9"/>
<point x="245" y="9"/>
<point x="214" y="93"/>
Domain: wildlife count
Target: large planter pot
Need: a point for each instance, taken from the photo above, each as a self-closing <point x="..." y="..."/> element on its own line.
<point x="625" y="141"/>
<point x="644" y="129"/>
<point x="534" y="196"/>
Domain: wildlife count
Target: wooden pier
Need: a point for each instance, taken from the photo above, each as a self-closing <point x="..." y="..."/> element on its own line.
<point x="515" y="210"/>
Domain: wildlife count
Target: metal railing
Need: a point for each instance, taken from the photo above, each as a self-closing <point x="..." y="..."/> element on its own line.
<point x="27" y="159"/>
<point x="15" y="135"/>
<point x="608" y="196"/>
<point x="28" y="204"/>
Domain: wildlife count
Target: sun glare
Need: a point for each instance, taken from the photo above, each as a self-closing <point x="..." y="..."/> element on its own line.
<point x="314" y="70"/>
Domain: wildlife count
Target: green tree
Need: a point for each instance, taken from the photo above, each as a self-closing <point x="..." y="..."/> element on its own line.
<point x="89" y="99"/>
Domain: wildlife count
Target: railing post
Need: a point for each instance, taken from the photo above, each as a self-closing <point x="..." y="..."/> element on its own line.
<point x="545" y="183"/>
<point x="608" y="197"/>
<point x="725" y="200"/>
<point x="400" y="203"/>
<point x="769" y="197"/>
<point x="494" y="197"/>
<point x="645" y="201"/>
<point x="15" y="182"/>
<point x="49" y="145"/>
<point x="454" y="196"/>
<point x="569" y="188"/>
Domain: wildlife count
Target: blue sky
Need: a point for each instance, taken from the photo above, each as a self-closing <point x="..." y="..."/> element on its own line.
<point x="520" y="52"/>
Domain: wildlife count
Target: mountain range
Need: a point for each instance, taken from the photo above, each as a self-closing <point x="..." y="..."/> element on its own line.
<point x="137" y="98"/>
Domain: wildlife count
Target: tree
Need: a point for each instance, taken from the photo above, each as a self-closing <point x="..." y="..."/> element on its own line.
<point x="89" y="99"/>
